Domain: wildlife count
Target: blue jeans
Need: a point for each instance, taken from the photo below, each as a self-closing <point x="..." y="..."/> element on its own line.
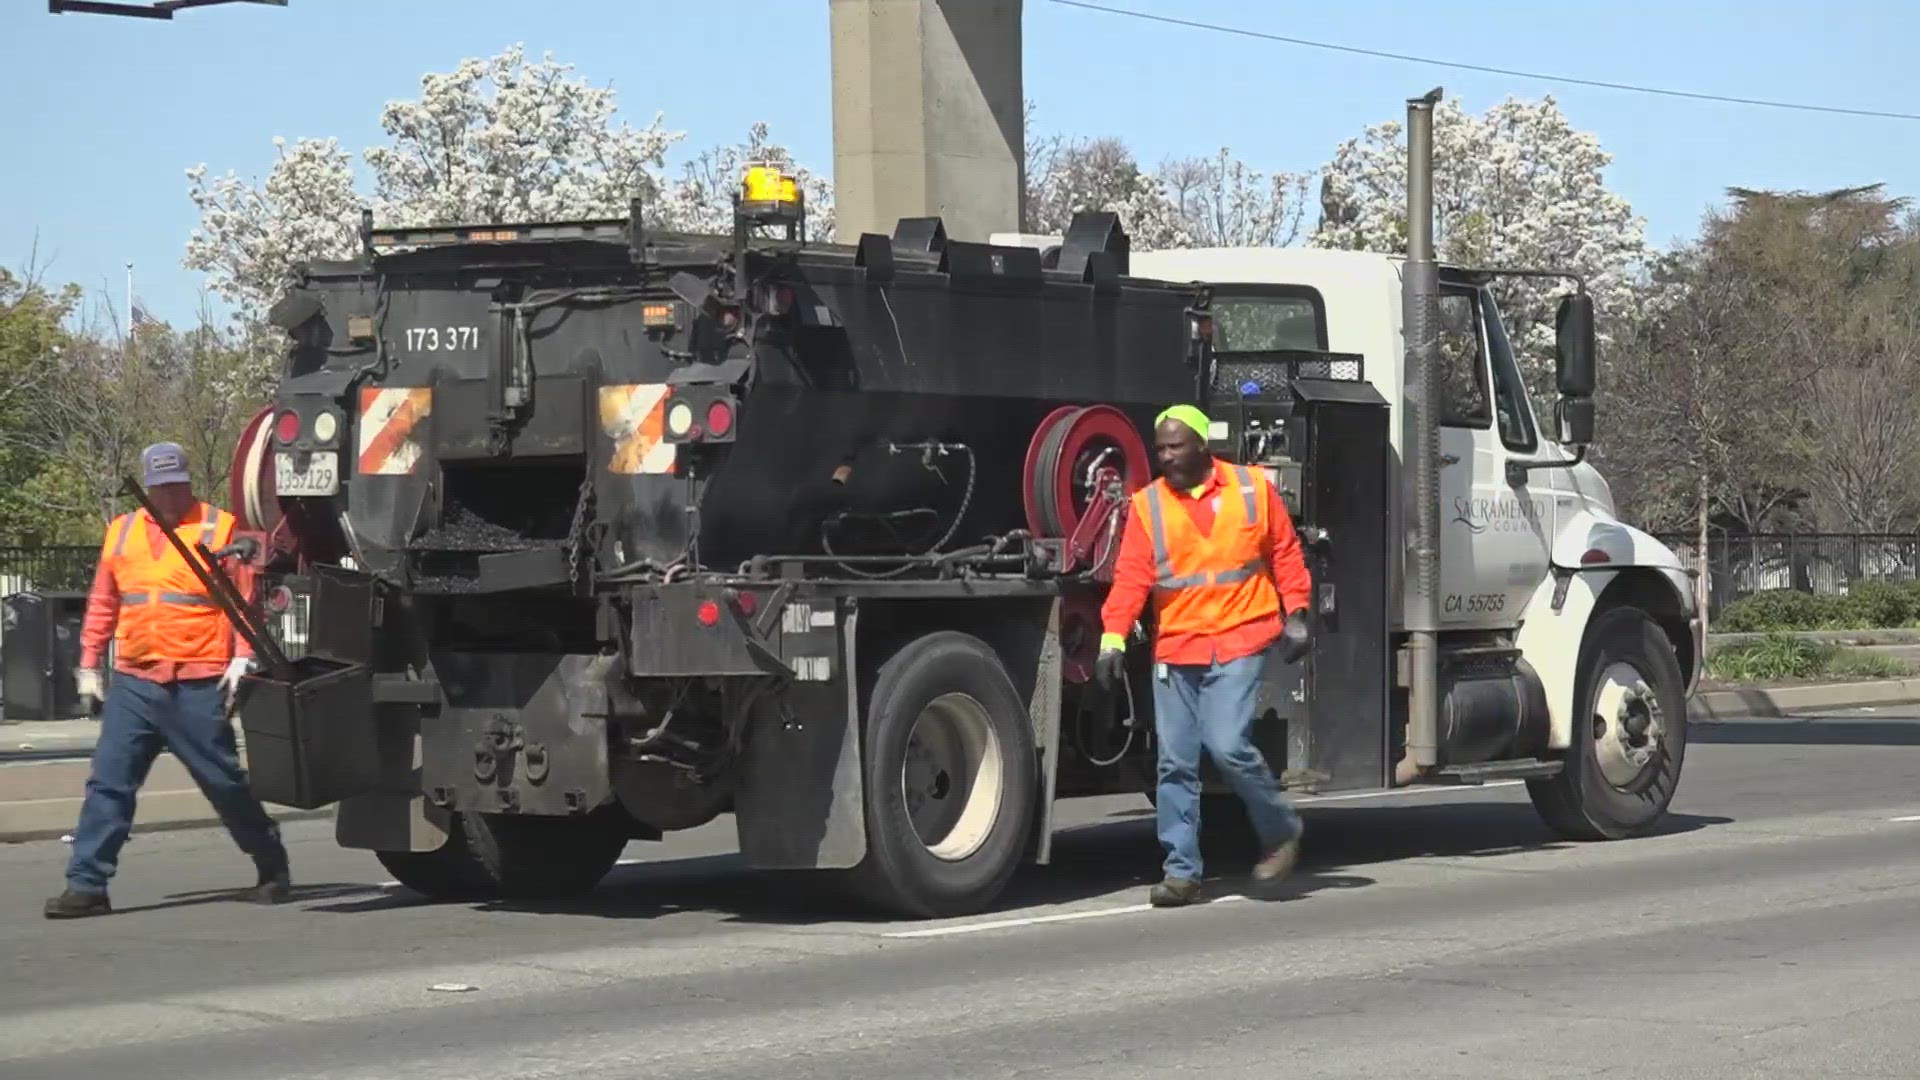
<point x="1211" y="706"/>
<point x="139" y="719"/>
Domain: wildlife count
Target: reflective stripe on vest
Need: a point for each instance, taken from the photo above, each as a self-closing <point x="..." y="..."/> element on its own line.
<point x="184" y="599"/>
<point x="1164" y="577"/>
<point x="207" y="528"/>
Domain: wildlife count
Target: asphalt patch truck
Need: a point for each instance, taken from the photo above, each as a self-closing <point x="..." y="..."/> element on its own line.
<point x="604" y="532"/>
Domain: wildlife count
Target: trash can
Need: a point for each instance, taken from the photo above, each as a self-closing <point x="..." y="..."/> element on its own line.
<point x="39" y="649"/>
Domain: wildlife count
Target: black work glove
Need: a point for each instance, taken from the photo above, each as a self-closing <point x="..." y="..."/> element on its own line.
<point x="1296" y="639"/>
<point x="1111" y="668"/>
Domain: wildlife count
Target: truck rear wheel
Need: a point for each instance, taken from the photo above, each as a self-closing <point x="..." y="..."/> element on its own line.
<point x="511" y="857"/>
<point x="950" y="779"/>
<point x="1629" y="733"/>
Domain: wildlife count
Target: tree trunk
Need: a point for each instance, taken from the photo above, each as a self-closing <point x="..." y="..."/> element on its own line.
<point x="1701" y="585"/>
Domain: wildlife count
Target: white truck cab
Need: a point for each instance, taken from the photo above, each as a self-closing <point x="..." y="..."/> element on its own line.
<point x="1532" y="558"/>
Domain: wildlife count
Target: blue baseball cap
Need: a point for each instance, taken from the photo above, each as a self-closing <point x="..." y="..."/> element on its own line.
<point x="164" y="463"/>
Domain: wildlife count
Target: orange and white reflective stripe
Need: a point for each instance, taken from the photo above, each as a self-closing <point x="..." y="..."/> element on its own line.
<point x="390" y="417"/>
<point x="634" y="416"/>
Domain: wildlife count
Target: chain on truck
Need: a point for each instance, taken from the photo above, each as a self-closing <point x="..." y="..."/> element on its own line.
<point x="604" y="532"/>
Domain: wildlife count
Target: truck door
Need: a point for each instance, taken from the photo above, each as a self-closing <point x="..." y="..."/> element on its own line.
<point x="1494" y="536"/>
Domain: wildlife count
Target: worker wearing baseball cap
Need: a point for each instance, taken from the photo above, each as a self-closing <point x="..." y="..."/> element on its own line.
<point x="177" y="664"/>
<point x="1213" y="545"/>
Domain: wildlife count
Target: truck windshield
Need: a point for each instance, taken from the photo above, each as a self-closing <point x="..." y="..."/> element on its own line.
<point x="1262" y="323"/>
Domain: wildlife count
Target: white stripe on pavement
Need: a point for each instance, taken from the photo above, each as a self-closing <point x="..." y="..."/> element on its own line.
<point x="1036" y="920"/>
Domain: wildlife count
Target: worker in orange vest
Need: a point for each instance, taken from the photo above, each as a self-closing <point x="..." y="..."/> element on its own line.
<point x="177" y="664"/>
<point x="1214" y="546"/>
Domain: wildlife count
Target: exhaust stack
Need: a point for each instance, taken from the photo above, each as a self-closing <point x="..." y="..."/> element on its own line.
<point x="1420" y="298"/>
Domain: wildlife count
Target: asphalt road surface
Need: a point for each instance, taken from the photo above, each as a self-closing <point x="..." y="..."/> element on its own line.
<point x="1770" y="932"/>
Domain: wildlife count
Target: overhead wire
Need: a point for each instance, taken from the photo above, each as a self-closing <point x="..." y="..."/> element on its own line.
<point x="1486" y="69"/>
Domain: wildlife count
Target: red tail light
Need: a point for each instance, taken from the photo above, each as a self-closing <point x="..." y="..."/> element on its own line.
<point x="287" y="427"/>
<point x="719" y="418"/>
<point x="708" y="613"/>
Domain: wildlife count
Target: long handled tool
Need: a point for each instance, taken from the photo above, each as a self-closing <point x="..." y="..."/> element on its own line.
<point x="221" y="589"/>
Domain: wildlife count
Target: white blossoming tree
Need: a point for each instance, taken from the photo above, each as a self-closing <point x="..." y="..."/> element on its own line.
<point x="1517" y="187"/>
<point x="495" y="140"/>
<point x="251" y="238"/>
<point x="1064" y="176"/>
<point x="1212" y="201"/>
<point x="1226" y="203"/>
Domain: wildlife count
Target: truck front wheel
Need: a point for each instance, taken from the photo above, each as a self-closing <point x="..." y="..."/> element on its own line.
<point x="950" y="779"/>
<point x="1629" y="733"/>
<point x="510" y="857"/>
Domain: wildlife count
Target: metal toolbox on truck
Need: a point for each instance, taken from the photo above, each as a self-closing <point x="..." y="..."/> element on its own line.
<point x="309" y="740"/>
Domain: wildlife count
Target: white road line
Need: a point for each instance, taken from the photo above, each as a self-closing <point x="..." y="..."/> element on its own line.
<point x="1036" y="920"/>
<point x="1909" y="817"/>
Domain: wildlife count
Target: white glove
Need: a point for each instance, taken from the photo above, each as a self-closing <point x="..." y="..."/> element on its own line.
<point x="86" y="682"/>
<point x="230" y="682"/>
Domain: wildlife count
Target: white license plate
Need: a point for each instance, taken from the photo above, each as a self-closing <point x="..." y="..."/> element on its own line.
<point x="321" y="476"/>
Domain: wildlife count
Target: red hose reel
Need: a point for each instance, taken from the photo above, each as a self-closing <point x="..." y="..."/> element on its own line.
<point x="1083" y="465"/>
<point x="250" y="489"/>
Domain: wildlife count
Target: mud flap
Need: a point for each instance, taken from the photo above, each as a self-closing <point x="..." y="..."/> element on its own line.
<point x="1043" y="707"/>
<point x="397" y="817"/>
<point x="801" y="803"/>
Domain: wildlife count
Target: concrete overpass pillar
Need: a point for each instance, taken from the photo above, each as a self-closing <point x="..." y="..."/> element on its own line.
<point x="928" y="115"/>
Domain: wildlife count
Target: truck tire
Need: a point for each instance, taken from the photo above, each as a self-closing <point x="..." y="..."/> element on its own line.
<point x="950" y="778"/>
<point x="512" y="857"/>
<point x="1629" y="733"/>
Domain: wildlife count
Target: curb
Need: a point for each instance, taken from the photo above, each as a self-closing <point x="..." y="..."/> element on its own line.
<point x="26" y="823"/>
<point x="1888" y="636"/>
<point x="1781" y="700"/>
<point x="43" y="798"/>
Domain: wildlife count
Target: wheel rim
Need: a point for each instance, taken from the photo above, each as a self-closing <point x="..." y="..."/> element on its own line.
<point x="951" y="777"/>
<point x="1629" y="728"/>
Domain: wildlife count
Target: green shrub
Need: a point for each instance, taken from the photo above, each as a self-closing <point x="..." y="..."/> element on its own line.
<point x="1877" y="605"/>
<point x="1781" y="656"/>
<point x="1865" y="664"/>
<point x="1868" y="605"/>
<point x="1774" y="657"/>
<point x="1780" y="609"/>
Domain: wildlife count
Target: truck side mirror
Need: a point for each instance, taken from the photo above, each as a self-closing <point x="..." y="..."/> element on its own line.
<point x="1573" y="345"/>
<point x="1575" y="420"/>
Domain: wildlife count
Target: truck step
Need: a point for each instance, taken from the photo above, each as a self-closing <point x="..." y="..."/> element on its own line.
<point x="1484" y="771"/>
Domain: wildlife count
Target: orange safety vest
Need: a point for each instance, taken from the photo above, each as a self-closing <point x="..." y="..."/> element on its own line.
<point x="1208" y="583"/>
<point x="165" y="613"/>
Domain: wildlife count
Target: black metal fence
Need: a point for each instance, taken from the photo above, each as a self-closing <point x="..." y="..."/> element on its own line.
<point x="47" y="569"/>
<point x="1741" y="564"/>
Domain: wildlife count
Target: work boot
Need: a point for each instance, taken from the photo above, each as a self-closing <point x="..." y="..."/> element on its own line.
<point x="1174" y="892"/>
<point x="275" y="887"/>
<point x="78" y="905"/>
<point x="1277" y="863"/>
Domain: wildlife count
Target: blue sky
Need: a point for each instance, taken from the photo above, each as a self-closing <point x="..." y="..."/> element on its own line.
<point x="107" y="113"/>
